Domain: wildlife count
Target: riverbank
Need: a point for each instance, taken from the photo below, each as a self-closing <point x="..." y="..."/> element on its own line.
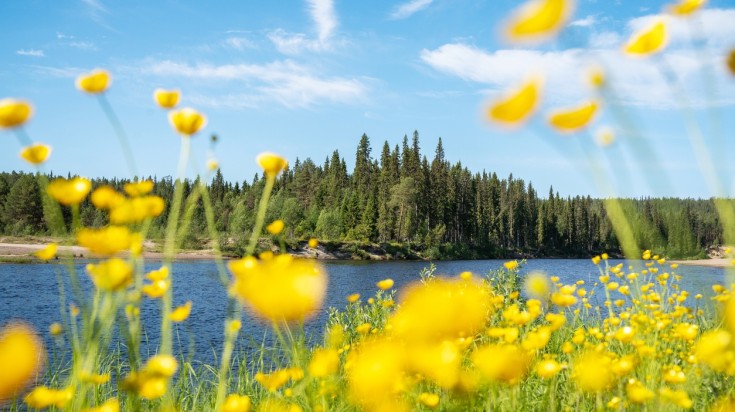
<point x="714" y="263"/>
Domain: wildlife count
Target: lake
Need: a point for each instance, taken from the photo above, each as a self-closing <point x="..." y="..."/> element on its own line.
<point x="30" y="293"/>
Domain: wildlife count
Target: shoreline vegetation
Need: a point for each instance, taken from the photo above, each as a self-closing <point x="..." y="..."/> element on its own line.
<point x="21" y="250"/>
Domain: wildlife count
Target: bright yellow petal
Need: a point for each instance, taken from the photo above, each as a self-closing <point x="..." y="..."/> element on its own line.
<point x="181" y="313"/>
<point x="94" y="82"/>
<point x="187" y="121"/>
<point x="538" y="19"/>
<point x="167" y="99"/>
<point x="686" y="7"/>
<point x="48" y="252"/>
<point x="731" y="61"/>
<point x="14" y="113"/>
<point x="36" y="153"/>
<point x="648" y="41"/>
<point x="271" y="163"/>
<point x="517" y="106"/>
<point x="571" y="120"/>
<point x="21" y="357"/>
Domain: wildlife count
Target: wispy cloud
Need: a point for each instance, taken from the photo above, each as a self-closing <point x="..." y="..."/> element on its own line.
<point x="239" y="43"/>
<point x="31" y="52"/>
<point x="588" y="21"/>
<point x="82" y="45"/>
<point x="97" y="12"/>
<point x="325" y="23"/>
<point x="62" y="36"/>
<point x="285" y="82"/>
<point x="407" y="9"/>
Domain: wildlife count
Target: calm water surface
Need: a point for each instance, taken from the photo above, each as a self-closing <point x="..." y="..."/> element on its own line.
<point x="30" y="293"/>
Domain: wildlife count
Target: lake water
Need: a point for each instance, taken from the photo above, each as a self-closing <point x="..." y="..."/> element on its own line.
<point x="30" y="293"/>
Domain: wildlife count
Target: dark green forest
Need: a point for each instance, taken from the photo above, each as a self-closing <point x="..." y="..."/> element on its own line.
<point x="403" y="197"/>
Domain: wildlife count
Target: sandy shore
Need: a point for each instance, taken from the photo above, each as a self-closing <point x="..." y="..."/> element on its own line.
<point x="22" y="250"/>
<point x="716" y="263"/>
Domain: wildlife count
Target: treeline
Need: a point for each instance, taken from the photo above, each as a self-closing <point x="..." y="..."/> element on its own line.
<point x="401" y="196"/>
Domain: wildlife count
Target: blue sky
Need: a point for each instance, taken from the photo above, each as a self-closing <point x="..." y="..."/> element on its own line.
<point x="302" y="78"/>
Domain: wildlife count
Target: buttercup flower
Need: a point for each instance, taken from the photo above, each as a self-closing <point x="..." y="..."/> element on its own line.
<point x="187" y="121"/>
<point x="48" y="252"/>
<point x="94" y="82"/>
<point x="21" y="357"/>
<point x="69" y="192"/>
<point x="181" y="313"/>
<point x="648" y="41"/>
<point x="574" y="119"/>
<point x="271" y="163"/>
<point x="111" y="275"/>
<point x="276" y="227"/>
<point x="36" y="153"/>
<point x="385" y="284"/>
<point x="139" y="188"/>
<point x="538" y="19"/>
<point x="686" y="7"/>
<point x="516" y="106"/>
<point x="167" y="99"/>
<point x="106" y="241"/>
<point x="14" y="113"/>
<point x="236" y="403"/>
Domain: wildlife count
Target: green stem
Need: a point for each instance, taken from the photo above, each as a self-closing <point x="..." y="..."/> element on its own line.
<point x="120" y="132"/>
<point x="229" y="345"/>
<point x="260" y="218"/>
<point x="213" y="235"/>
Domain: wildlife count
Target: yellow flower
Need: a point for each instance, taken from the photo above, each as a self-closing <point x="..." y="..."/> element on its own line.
<point x="538" y="19"/>
<point x="55" y="329"/>
<point x="69" y="192"/>
<point x="106" y="241"/>
<point x="167" y="99"/>
<point x="111" y="405"/>
<point x="313" y="243"/>
<point x="648" y="41"/>
<point x="518" y="105"/>
<point x="548" y="368"/>
<point x="430" y="400"/>
<point x="596" y="77"/>
<point x="537" y="285"/>
<point x="511" y="264"/>
<point x="376" y="374"/>
<point x="136" y="209"/>
<point x="731" y="61"/>
<point x="385" y="284"/>
<point x="604" y="136"/>
<point x="686" y="7"/>
<point x="181" y="313"/>
<point x="94" y="378"/>
<point x="280" y="288"/>
<point x="646" y="254"/>
<point x="164" y="366"/>
<point x="592" y="372"/>
<point x="21" y="356"/>
<point x="278" y="378"/>
<point x="364" y="328"/>
<point x="234" y="325"/>
<point x="637" y="393"/>
<point x="36" y="153"/>
<point x="353" y="297"/>
<point x="438" y="361"/>
<point x="682" y="400"/>
<point x="48" y="252"/>
<point x="156" y="289"/>
<point x="157" y="275"/>
<point x="212" y="164"/>
<point x="712" y="349"/>
<point x="111" y="275"/>
<point x="43" y="397"/>
<point x="105" y="197"/>
<point x="271" y="163"/>
<point x="14" y="113"/>
<point x="573" y="119"/>
<point x="94" y="82"/>
<point x="503" y="363"/>
<point x="276" y="227"/>
<point x="187" y="121"/>
<point x="140" y="188"/>
<point x="324" y="362"/>
<point x="236" y="403"/>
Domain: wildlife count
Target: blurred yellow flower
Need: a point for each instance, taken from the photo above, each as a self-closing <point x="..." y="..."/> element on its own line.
<point x="105" y="241"/>
<point x="276" y="227"/>
<point x="731" y="61"/>
<point x="353" y="298"/>
<point x="111" y="275"/>
<point x="14" y="113"/>
<point x="187" y="121"/>
<point x="572" y="119"/>
<point x="36" y="153"/>
<point x="94" y="82"/>
<point x="313" y="243"/>
<point x="181" y="313"/>
<point x="548" y="368"/>
<point x="136" y="209"/>
<point x="538" y="19"/>
<point x="105" y="197"/>
<point x="236" y="403"/>
<point x="637" y="392"/>
<point x="156" y="289"/>
<point x="276" y="379"/>
<point x="159" y="274"/>
<point x="69" y="192"/>
<point x="324" y="362"/>
<point x="212" y="165"/>
<point x="48" y="252"/>
<point x="430" y="400"/>
<point x="682" y="400"/>
<point x="375" y="374"/>
<point x="511" y="265"/>
<point x="55" y="329"/>
<point x="167" y="99"/>
<point x="110" y="405"/>
<point x="94" y="378"/>
<point x="43" y="397"/>
<point x="271" y="163"/>
<point x="502" y="363"/>
<point x="592" y="372"/>
<point x="152" y="380"/>
<point x="21" y="356"/>
<point x="516" y="106"/>
<point x="385" y="284"/>
<point x="139" y="188"/>
<point x="686" y="7"/>
<point x="648" y="41"/>
<point x="161" y="366"/>
<point x="537" y="285"/>
<point x="604" y="136"/>
<point x="281" y="288"/>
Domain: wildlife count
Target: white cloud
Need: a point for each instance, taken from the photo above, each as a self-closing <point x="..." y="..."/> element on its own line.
<point x="715" y="25"/>
<point x="325" y="23"/>
<point x="407" y="9"/>
<point x="239" y="43"/>
<point x="82" y="45"/>
<point x="285" y="82"/>
<point x="62" y="36"/>
<point x="31" y="52"/>
<point x="588" y="21"/>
